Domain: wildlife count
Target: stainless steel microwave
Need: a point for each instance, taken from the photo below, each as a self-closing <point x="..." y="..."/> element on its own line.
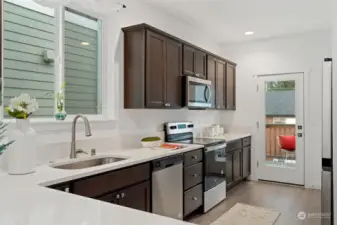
<point x="198" y="92"/>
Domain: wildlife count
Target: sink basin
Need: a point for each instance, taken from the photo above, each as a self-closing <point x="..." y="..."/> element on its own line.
<point x="87" y="163"/>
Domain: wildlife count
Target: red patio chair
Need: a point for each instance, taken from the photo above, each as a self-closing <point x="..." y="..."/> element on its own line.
<point x="287" y="144"/>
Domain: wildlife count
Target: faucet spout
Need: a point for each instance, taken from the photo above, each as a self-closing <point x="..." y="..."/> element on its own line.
<point x="73" y="133"/>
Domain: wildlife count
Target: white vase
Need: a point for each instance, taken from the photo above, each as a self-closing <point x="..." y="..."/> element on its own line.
<point x="22" y="153"/>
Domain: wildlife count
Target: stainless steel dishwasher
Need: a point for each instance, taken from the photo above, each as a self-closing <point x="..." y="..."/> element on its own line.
<point x="167" y="187"/>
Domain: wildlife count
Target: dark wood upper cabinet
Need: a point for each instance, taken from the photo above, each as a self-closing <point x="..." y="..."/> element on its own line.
<point x="155" y="70"/>
<point x="230" y="87"/>
<point x="194" y="62"/>
<point x="200" y="64"/>
<point x="220" y="85"/>
<point x="174" y="77"/>
<point x="154" y="65"/>
<point x="188" y="58"/>
<point x="211" y="75"/>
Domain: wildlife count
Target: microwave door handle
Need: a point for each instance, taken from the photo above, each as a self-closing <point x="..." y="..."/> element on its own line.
<point x="210" y="93"/>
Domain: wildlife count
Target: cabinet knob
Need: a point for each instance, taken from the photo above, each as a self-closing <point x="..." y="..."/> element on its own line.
<point x="118" y="196"/>
<point x="194" y="157"/>
<point x="167" y="104"/>
<point x="67" y="189"/>
<point x="195" y="175"/>
<point x="122" y="195"/>
<point x="195" y="198"/>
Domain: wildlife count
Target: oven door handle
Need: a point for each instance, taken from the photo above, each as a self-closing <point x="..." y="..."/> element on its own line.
<point x="216" y="147"/>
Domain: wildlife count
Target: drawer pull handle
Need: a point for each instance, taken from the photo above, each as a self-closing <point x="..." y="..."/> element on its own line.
<point x="195" y="198"/>
<point x="194" y="157"/>
<point x="195" y="175"/>
<point x="117" y="196"/>
<point x="122" y="195"/>
<point x="67" y="189"/>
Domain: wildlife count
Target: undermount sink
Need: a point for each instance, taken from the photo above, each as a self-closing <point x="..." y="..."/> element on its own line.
<point x="87" y="163"/>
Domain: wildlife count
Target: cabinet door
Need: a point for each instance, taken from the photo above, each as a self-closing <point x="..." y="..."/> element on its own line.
<point x="174" y="98"/>
<point x="246" y="162"/>
<point x="230" y="87"/>
<point x="62" y="187"/>
<point x="136" y="197"/>
<point x="220" y="87"/>
<point x="188" y="58"/>
<point x="155" y="70"/>
<point x="229" y="168"/>
<point x="200" y="64"/>
<point x="211" y="75"/>
<point x="111" y="198"/>
<point x="237" y="163"/>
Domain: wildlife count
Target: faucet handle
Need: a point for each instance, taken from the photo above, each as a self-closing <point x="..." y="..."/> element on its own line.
<point x="81" y="151"/>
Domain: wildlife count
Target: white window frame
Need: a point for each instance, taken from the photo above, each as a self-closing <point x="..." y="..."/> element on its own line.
<point x="106" y="84"/>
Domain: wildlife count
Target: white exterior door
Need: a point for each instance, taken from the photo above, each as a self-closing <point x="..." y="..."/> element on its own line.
<point x="280" y="126"/>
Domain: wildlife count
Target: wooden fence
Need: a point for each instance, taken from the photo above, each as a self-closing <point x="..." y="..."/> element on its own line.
<point x="272" y="132"/>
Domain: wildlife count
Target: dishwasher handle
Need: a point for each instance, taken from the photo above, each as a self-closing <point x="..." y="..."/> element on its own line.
<point x="167" y="162"/>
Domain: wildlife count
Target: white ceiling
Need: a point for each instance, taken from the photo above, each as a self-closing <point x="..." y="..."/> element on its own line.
<point x="227" y="20"/>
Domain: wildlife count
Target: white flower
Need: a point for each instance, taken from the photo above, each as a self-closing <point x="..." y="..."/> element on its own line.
<point x="23" y="103"/>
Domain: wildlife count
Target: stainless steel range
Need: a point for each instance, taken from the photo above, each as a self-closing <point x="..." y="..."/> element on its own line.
<point x="214" y="163"/>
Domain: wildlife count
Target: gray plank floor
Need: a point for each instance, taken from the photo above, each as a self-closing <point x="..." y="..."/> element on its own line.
<point x="286" y="199"/>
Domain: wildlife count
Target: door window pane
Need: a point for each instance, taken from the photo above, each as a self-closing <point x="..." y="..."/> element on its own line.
<point x="280" y="123"/>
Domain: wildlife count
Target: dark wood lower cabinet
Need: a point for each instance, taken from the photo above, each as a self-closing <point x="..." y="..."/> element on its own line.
<point x="136" y="197"/>
<point x="246" y="159"/>
<point x="237" y="165"/>
<point x="238" y="161"/>
<point x="229" y="169"/>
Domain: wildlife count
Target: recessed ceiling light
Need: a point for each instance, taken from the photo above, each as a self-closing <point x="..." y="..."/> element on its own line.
<point x="85" y="43"/>
<point x="249" y="33"/>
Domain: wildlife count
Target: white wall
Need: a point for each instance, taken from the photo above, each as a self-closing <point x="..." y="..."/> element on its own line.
<point x="131" y="125"/>
<point x="299" y="53"/>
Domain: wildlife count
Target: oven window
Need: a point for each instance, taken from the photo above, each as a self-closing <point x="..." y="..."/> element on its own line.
<point x="215" y="168"/>
<point x="197" y="92"/>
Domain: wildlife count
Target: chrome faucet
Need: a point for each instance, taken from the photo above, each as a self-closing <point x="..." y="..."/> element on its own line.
<point x="73" y="133"/>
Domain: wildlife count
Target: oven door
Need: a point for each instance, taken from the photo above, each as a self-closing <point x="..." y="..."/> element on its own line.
<point x="215" y="166"/>
<point x="198" y="92"/>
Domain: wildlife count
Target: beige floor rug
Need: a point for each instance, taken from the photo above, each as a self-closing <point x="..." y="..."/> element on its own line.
<point x="242" y="214"/>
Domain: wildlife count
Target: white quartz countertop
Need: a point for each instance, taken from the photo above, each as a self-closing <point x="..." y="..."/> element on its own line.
<point x="25" y="200"/>
<point x="232" y="136"/>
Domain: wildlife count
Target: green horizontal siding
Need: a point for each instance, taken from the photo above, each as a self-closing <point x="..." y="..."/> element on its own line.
<point x="80" y="69"/>
<point x="27" y="13"/>
<point x="26" y="34"/>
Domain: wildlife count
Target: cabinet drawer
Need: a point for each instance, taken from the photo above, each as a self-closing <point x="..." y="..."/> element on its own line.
<point x="192" y="175"/>
<point x="194" y="157"/>
<point x="192" y="199"/>
<point x="108" y="182"/>
<point x="234" y="145"/>
<point x="246" y="141"/>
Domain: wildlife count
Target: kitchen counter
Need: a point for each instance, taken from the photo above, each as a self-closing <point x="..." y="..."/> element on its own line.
<point x="231" y="136"/>
<point x="28" y="202"/>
